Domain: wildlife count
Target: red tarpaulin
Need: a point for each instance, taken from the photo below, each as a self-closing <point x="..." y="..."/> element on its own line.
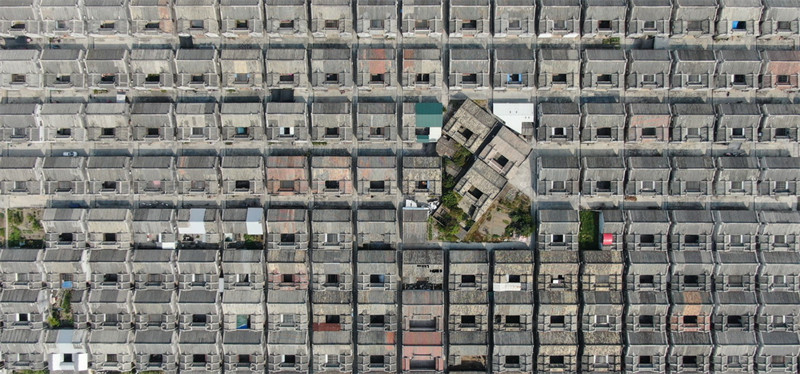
<point x="608" y="239"/>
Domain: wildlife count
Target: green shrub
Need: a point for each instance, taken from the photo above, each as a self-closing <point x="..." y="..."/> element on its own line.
<point x="450" y="199"/>
<point x="15" y="216"/>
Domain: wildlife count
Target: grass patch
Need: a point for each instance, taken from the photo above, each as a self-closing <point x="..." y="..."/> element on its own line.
<point x="521" y="223"/>
<point x="15" y="216"/>
<point x="589" y="231"/>
<point x="461" y="156"/>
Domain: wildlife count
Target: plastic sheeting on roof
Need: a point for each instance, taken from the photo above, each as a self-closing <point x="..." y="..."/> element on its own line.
<point x="514" y="114"/>
<point x="254" y="216"/>
<point x="196" y="224"/>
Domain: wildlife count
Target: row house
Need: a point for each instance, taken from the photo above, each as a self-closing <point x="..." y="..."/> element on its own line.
<point x="376" y="121"/>
<point x="342" y="18"/>
<point x="424" y="321"/>
<point x="513" y="312"/>
<point x="377" y="311"/>
<point x="332" y="68"/>
<point x="468" y="313"/>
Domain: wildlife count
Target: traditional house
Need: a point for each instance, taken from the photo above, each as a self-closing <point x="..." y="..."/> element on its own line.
<point x="197" y="69"/>
<point x="331" y="175"/>
<point x="153" y="175"/>
<point x="64" y="175"/>
<point x="241" y="17"/>
<point x="288" y="68"/>
<point x="603" y="69"/>
<point x="739" y="18"/>
<point x="151" y="17"/>
<point x="422" y="175"/>
<point x="154" y="228"/>
<point x="152" y="122"/>
<point x="779" y="231"/>
<point x="62" y="122"/>
<point x="59" y="17"/>
<point x="377" y="68"/>
<point x="199" y="350"/>
<point x="106" y="18"/>
<point x="469" y="18"/>
<point x="649" y="17"/>
<point x="737" y="122"/>
<point x="109" y="228"/>
<point x="604" y="17"/>
<point x="648" y="69"/>
<point x="559" y="18"/>
<point x="107" y="68"/>
<point x="514" y="68"/>
<point x="110" y="269"/>
<point x="376" y="18"/>
<point x="24" y="309"/>
<point x="558" y="175"/>
<point x="692" y="176"/>
<point x="779" y="176"/>
<point x="692" y="123"/>
<point x="196" y="122"/>
<point x="332" y="229"/>
<point x="422" y="69"/>
<point x="514" y="18"/>
<point x="603" y="175"/>
<point x="736" y="230"/>
<point x="558" y="230"/>
<point x="64" y="228"/>
<point x="647" y="176"/>
<point x="695" y="18"/>
<point x="690" y="351"/>
<point x="111" y="309"/>
<point x="242" y="121"/>
<point x="62" y="68"/>
<point x="479" y="186"/>
<point x="20" y="69"/>
<point x="287" y="229"/>
<point x="197" y="175"/>
<point x="286" y="17"/>
<point x="242" y="269"/>
<point x="647" y="230"/>
<point x="242" y="175"/>
<point x="23" y="349"/>
<point x="152" y="69"/>
<point x="779" y="123"/>
<point x="559" y="69"/>
<point x="242" y="68"/>
<point x="692" y="230"/>
<point x="648" y="122"/>
<point x="18" y="123"/>
<point x="693" y="69"/>
<point x="780" y="70"/>
<point x="21" y="269"/>
<point x="780" y="18"/>
<point x="470" y="125"/>
<point x="332" y="19"/>
<point x="376" y="121"/>
<point x="154" y="269"/>
<point x="155" y="350"/>
<point x="736" y="176"/>
<point x="469" y="69"/>
<point x="376" y="175"/>
<point x="287" y="175"/>
<point x="287" y="122"/>
<point x="196" y="18"/>
<point x="243" y="310"/>
<point x="111" y="350"/>
<point x="331" y="121"/>
<point x="423" y="18"/>
<point x="506" y="152"/>
<point x="198" y="310"/>
<point x="244" y="350"/>
<point x="109" y="175"/>
<point x="778" y="351"/>
<point x="243" y="228"/>
<point x="601" y="122"/>
<point x="738" y="70"/>
<point x="376" y="228"/>
<point x="199" y="229"/>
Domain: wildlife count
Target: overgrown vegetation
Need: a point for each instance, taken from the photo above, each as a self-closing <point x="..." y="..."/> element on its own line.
<point x="31" y="371"/>
<point x="589" y="231"/>
<point x="24" y="229"/>
<point x="252" y="241"/>
<point x="521" y="223"/>
<point x="461" y="156"/>
<point x="61" y="314"/>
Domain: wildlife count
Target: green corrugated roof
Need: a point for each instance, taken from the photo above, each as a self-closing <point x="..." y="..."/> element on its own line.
<point x="428" y="114"/>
